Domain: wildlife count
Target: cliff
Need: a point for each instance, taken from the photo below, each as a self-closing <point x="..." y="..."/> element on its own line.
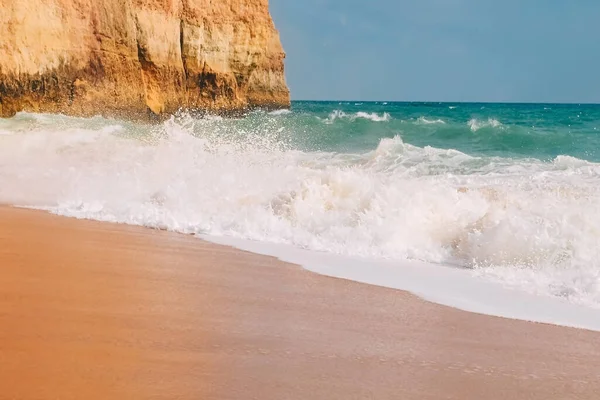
<point x="139" y="58"/>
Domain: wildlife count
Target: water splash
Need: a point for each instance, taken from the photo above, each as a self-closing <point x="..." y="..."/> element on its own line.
<point x="528" y="223"/>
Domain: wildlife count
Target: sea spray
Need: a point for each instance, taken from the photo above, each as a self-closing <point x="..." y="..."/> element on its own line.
<point x="527" y="222"/>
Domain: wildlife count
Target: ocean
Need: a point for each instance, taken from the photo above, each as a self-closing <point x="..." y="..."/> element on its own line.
<point x="509" y="193"/>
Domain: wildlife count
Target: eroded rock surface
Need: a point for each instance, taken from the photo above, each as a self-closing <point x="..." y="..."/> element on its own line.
<point x="139" y="58"/>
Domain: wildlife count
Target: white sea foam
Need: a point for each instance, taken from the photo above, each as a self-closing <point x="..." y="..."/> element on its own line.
<point x="283" y="111"/>
<point x="476" y="124"/>
<point x="425" y="121"/>
<point x="338" y="114"/>
<point x="527" y="224"/>
<point x="374" y="116"/>
<point x="455" y="287"/>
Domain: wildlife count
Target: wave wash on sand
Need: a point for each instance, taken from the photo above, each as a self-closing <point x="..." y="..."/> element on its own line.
<point x="529" y="224"/>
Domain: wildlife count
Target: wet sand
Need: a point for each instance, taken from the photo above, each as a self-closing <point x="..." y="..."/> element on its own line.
<point x="90" y="310"/>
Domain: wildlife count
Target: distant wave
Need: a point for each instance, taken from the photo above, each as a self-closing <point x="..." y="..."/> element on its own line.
<point x="476" y="124"/>
<point x="425" y="121"/>
<point x="338" y="114"/>
<point x="374" y="116"/>
<point x="281" y="112"/>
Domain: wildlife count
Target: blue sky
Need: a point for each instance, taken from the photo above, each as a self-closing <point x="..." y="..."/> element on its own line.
<point x="441" y="50"/>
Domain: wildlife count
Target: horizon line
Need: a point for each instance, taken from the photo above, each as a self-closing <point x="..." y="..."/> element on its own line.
<point x="449" y="102"/>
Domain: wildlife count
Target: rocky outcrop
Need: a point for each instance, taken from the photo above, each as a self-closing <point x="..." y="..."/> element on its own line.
<point x="138" y="58"/>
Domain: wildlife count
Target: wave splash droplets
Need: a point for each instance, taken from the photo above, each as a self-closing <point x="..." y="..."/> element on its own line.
<point x="530" y="224"/>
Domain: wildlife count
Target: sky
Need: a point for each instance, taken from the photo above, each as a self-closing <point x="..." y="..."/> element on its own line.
<point x="441" y="50"/>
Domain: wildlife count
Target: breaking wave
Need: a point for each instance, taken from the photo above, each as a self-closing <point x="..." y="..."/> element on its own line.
<point x="374" y="117"/>
<point x="528" y="223"/>
<point x="425" y="121"/>
<point x="283" y="111"/>
<point x="475" y="124"/>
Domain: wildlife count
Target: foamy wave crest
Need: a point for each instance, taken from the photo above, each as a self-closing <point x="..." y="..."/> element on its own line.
<point x="373" y="116"/>
<point x="425" y="121"/>
<point x="283" y="111"/>
<point x="530" y="224"/>
<point x="476" y="124"/>
<point x="338" y="114"/>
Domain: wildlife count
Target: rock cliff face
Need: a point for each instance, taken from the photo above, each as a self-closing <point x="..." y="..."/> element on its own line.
<point x="138" y="58"/>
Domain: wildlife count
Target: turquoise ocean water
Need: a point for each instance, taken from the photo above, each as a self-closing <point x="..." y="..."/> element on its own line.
<point x="541" y="131"/>
<point x="508" y="191"/>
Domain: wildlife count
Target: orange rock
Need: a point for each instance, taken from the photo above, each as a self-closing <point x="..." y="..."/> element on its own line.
<point x="139" y="58"/>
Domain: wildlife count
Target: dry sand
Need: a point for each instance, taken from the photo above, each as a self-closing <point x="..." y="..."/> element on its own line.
<point x="100" y="311"/>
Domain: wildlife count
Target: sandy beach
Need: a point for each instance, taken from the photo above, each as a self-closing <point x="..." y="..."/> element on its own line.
<point x="92" y="310"/>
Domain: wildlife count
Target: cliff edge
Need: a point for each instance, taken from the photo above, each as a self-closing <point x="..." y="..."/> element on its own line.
<point x="139" y="58"/>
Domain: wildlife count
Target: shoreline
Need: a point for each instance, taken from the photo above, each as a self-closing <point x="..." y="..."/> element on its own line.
<point x="100" y="310"/>
<point x="441" y="284"/>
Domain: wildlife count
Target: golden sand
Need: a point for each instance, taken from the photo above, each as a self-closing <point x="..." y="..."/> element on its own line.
<point x="90" y="310"/>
